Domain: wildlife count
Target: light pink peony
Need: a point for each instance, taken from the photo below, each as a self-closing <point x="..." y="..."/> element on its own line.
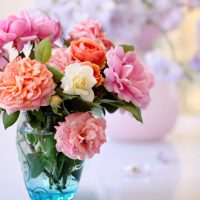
<point x="61" y="58"/>
<point x="14" y="28"/>
<point x="25" y="85"/>
<point x="4" y="58"/>
<point x="44" y="26"/>
<point x="80" y="136"/>
<point x="91" y="29"/>
<point x="127" y="77"/>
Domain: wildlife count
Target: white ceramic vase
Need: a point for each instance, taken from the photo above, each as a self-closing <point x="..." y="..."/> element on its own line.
<point x="158" y="119"/>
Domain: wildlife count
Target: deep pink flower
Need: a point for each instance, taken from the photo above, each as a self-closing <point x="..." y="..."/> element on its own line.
<point x="25" y="85"/>
<point x="91" y="29"/>
<point x="4" y="58"/>
<point x="127" y="77"/>
<point x="80" y="136"/>
<point x="28" y="27"/>
<point x="14" y="28"/>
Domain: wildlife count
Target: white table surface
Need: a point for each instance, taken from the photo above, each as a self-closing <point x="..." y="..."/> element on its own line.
<point x="166" y="170"/>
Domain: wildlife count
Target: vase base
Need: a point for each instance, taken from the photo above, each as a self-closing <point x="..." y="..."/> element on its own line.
<point x="51" y="196"/>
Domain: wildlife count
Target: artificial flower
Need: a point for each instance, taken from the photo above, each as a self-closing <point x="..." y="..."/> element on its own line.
<point x="96" y="72"/>
<point x="44" y="26"/>
<point x="79" y="80"/>
<point x="127" y="77"/>
<point x="25" y="85"/>
<point x="90" y="29"/>
<point x="85" y="49"/>
<point x="80" y="135"/>
<point x="14" y="28"/>
<point x="61" y="58"/>
<point x="28" y="27"/>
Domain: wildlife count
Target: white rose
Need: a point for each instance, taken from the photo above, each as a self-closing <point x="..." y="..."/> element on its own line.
<point x="79" y="80"/>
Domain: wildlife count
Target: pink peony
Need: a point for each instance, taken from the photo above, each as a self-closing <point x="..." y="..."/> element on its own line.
<point x="61" y="58"/>
<point x="91" y="29"/>
<point x="25" y="85"/>
<point x="14" y="28"/>
<point x="44" y="26"/>
<point x="28" y="27"/>
<point x="4" y="58"/>
<point x="127" y="77"/>
<point x="80" y="136"/>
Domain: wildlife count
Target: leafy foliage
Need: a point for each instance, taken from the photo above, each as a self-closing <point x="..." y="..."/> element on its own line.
<point x="135" y="111"/>
<point x="36" y="163"/>
<point x="57" y="75"/>
<point x="9" y="120"/>
<point x="43" y="50"/>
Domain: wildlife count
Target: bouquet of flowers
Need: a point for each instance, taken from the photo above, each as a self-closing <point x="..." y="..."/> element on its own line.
<point x="61" y="93"/>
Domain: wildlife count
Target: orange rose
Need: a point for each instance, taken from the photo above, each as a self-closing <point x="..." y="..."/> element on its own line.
<point x="86" y="49"/>
<point x="97" y="74"/>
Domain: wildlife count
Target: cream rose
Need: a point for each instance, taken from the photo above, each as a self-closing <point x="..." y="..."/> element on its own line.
<point x="79" y="80"/>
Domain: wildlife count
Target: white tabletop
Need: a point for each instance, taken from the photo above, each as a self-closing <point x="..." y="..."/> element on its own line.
<point x="163" y="170"/>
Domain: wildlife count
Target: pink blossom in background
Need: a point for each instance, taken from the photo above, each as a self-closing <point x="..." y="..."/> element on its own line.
<point x="164" y="68"/>
<point x="4" y="58"/>
<point x="25" y="85"/>
<point x="127" y="77"/>
<point x="80" y="136"/>
<point x="90" y="29"/>
<point x="61" y="58"/>
<point x="195" y="62"/>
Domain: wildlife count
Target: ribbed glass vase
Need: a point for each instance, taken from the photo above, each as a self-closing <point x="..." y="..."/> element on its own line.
<point x="48" y="174"/>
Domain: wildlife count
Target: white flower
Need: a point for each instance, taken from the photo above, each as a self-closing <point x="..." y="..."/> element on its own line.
<point x="79" y="80"/>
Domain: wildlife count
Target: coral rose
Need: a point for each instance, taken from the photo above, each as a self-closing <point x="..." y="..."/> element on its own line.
<point x="86" y="49"/>
<point x="90" y="29"/>
<point x="96" y="73"/>
<point x="61" y="58"/>
<point x="25" y="85"/>
<point x="80" y="136"/>
<point x="127" y="77"/>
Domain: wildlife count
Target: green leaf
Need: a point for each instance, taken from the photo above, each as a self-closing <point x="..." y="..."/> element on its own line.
<point x="9" y="120"/>
<point x="74" y="103"/>
<point x="97" y="111"/>
<point x="78" y="105"/>
<point x="59" y="92"/>
<point x="135" y="111"/>
<point x="39" y="115"/>
<point x="49" y="147"/>
<point x="127" y="48"/>
<point x="36" y="163"/>
<point x="36" y="119"/>
<point x="110" y="108"/>
<point x="57" y="75"/>
<point x="43" y="50"/>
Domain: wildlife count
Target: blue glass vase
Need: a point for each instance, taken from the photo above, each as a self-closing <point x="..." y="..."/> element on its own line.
<point x="48" y="174"/>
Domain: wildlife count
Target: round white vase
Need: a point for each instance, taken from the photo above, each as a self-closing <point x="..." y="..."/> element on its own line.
<point x="158" y="119"/>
